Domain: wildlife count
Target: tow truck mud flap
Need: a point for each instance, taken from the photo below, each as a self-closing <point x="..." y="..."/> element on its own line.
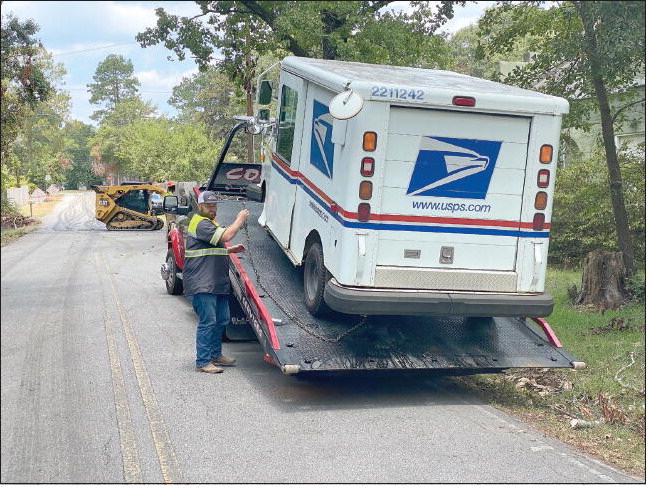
<point x="269" y="289"/>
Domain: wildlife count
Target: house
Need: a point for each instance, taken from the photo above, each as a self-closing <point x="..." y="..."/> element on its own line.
<point x="628" y="108"/>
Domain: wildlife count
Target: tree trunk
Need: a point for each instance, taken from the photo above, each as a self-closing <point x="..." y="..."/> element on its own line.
<point x="603" y="285"/>
<point x="249" y="101"/>
<point x="624" y="236"/>
<point x="250" y="137"/>
<point x="331" y="23"/>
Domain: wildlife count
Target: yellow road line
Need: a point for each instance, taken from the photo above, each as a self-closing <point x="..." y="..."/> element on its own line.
<point x="161" y="441"/>
<point x="130" y="457"/>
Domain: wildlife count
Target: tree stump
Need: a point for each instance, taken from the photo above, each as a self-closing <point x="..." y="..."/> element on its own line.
<point x="604" y="282"/>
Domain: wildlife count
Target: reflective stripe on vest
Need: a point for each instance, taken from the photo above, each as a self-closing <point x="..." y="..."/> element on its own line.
<point x="193" y="227"/>
<point x="204" y="252"/>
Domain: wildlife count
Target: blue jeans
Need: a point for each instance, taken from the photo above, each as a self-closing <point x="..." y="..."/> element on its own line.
<point x="214" y="315"/>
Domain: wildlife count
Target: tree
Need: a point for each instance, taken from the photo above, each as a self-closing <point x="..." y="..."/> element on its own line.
<point x="583" y="50"/>
<point x="160" y="149"/>
<point x="209" y="99"/>
<point x="114" y="82"/>
<point x="579" y="186"/>
<point x="37" y="149"/>
<point x="468" y="56"/>
<point x="307" y="29"/>
<point x="77" y="135"/>
<point x="24" y="81"/>
<point x="105" y="144"/>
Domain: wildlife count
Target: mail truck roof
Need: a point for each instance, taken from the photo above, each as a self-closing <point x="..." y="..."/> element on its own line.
<point x="416" y="86"/>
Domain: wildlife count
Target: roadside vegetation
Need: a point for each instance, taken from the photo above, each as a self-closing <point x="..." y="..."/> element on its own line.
<point x="601" y="409"/>
<point x="18" y="221"/>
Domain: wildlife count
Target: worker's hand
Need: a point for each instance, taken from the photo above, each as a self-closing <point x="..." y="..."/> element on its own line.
<point x="235" y="249"/>
<point x="243" y="215"/>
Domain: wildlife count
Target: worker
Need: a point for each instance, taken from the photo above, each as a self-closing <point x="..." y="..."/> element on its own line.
<point x="206" y="279"/>
<point x="170" y="217"/>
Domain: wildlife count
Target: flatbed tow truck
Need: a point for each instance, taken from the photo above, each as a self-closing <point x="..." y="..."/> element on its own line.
<point x="267" y="306"/>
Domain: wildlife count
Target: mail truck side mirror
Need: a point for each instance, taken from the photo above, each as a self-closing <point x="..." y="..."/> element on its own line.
<point x="265" y="93"/>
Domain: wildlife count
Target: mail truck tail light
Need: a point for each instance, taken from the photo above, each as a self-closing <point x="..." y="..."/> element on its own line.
<point x="366" y="190"/>
<point x="463" y="101"/>
<point x="541" y="200"/>
<point x="364" y="210"/>
<point x="369" y="141"/>
<point x="546" y="153"/>
<point x="538" y="221"/>
<point x="543" y="178"/>
<point x="367" y="167"/>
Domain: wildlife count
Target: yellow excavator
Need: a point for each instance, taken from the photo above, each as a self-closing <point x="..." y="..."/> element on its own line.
<point x="129" y="206"/>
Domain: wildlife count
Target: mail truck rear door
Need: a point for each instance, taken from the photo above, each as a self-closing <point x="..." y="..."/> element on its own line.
<point x="451" y="197"/>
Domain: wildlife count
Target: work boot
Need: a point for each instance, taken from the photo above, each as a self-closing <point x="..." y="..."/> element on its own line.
<point x="222" y="360"/>
<point x="210" y="369"/>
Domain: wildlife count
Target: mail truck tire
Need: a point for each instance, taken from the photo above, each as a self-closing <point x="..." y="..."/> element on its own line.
<point x="315" y="278"/>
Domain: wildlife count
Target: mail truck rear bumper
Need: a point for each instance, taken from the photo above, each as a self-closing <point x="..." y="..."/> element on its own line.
<point x="364" y="301"/>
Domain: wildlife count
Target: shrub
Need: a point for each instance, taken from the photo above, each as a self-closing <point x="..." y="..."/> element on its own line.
<point x="582" y="218"/>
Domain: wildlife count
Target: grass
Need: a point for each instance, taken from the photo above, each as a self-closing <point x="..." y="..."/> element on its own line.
<point x="10" y="235"/>
<point x="39" y="210"/>
<point x="608" y="396"/>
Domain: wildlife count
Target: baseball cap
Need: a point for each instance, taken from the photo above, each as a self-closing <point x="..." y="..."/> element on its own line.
<point x="207" y="197"/>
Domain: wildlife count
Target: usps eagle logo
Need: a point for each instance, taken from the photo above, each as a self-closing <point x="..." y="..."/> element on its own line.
<point x="456" y="168"/>
<point x="322" y="147"/>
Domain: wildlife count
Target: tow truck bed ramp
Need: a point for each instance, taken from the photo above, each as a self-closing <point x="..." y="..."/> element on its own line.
<point x="269" y="289"/>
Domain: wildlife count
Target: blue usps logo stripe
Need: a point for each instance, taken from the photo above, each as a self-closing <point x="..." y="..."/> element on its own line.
<point x="456" y="168"/>
<point x="322" y="147"/>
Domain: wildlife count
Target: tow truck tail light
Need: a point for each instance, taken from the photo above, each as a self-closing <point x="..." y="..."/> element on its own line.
<point x="364" y="210"/>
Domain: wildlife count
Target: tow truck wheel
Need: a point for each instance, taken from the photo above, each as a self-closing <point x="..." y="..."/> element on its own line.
<point x="315" y="278"/>
<point x="173" y="282"/>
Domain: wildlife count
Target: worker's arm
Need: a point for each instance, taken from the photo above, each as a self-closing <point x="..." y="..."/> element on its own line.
<point x="231" y="231"/>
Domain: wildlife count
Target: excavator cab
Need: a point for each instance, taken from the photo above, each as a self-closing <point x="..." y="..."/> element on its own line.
<point x="129" y="206"/>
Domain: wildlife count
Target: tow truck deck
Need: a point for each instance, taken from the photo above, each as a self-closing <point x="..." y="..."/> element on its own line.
<point x="268" y="288"/>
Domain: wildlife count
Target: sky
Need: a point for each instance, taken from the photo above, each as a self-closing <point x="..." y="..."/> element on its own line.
<point x="80" y="35"/>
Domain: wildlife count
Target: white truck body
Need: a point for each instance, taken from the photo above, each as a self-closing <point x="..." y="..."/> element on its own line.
<point x="454" y="223"/>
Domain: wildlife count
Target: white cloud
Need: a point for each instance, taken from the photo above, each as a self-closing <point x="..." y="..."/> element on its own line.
<point x="155" y="80"/>
<point x="127" y="18"/>
<point x="464" y="16"/>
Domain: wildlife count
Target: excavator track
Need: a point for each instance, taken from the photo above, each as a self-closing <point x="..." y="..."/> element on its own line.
<point x="132" y="220"/>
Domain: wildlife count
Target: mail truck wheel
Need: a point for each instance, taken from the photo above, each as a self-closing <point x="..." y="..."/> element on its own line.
<point x="315" y="278"/>
<point x="173" y="282"/>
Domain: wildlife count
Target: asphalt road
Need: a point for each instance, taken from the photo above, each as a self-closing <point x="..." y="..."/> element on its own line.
<point x="99" y="386"/>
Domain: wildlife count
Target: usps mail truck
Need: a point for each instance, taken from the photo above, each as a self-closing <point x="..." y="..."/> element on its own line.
<point x="405" y="191"/>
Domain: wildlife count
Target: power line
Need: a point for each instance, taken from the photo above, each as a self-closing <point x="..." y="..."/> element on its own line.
<point x="139" y="91"/>
<point x="94" y="49"/>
